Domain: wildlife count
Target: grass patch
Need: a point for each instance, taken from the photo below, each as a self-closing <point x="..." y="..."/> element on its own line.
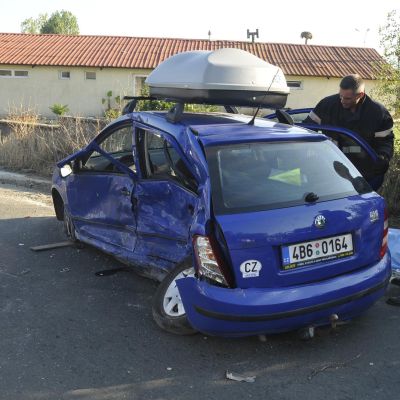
<point x="38" y="146"/>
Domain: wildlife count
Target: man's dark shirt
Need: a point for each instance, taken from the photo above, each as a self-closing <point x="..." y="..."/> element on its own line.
<point x="371" y="121"/>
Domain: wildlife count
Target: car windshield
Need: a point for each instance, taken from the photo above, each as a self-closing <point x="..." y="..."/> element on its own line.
<point x="261" y="176"/>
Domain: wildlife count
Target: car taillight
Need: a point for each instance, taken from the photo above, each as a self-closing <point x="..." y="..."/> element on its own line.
<point x="385" y="234"/>
<point x="209" y="261"/>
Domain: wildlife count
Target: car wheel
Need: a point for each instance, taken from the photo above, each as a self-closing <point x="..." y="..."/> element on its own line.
<point x="69" y="227"/>
<point x="168" y="310"/>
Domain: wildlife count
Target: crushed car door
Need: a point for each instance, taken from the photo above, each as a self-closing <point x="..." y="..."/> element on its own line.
<point x="166" y="200"/>
<point x="99" y="193"/>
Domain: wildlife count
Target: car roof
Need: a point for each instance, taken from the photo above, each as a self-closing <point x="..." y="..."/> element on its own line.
<point x="218" y="128"/>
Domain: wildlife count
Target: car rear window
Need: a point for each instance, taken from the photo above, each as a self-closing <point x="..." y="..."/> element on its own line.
<point x="265" y="175"/>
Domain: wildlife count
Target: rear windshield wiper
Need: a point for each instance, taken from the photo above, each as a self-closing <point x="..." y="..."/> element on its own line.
<point x="311" y="197"/>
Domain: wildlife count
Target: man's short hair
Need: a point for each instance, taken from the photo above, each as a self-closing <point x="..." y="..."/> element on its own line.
<point x="353" y="82"/>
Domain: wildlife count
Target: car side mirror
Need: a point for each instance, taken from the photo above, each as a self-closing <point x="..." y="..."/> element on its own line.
<point x="65" y="170"/>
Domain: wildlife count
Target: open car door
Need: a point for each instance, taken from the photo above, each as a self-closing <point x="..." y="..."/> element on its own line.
<point x="100" y="190"/>
<point x="356" y="149"/>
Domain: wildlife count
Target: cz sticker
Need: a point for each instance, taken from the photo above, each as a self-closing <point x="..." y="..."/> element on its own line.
<point x="250" y="268"/>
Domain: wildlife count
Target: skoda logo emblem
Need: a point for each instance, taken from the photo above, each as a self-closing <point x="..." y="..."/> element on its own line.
<point x="319" y="221"/>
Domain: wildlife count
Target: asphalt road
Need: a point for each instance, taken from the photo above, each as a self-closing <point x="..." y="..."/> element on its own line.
<point x="66" y="333"/>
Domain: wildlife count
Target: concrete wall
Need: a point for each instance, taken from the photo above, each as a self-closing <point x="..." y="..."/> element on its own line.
<point x="43" y="87"/>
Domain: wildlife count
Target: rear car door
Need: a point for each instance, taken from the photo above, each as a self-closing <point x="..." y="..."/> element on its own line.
<point x="99" y="193"/>
<point x="356" y="149"/>
<point x="166" y="199"/>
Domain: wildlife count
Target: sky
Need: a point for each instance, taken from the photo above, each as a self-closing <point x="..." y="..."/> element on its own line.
<point x="335" y="22"/>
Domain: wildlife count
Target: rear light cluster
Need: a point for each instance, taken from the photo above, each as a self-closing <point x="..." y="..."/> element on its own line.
<point x="210" y="264"/>
<point x="385" y="234"/>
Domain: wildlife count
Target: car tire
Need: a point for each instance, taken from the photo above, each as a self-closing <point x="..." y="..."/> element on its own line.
<point x="69" y="227"/>
<point x="168" y="311"/>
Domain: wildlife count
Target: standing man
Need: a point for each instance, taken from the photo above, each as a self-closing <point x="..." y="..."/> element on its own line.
<point x="354" y="110"/>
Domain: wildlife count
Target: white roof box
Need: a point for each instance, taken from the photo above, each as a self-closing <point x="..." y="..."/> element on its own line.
<point x="223" y="77"/>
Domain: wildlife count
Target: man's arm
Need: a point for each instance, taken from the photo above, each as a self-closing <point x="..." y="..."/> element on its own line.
<point x="383" y="143"/>
<point x="315" y="115"/>
<point x="383" y="137"/>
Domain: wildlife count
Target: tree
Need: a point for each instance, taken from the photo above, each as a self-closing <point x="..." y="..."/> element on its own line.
<point x="32" y="25"/>
<point x="307" y="36"/>
<point x="388" y="88"/>
<point x="60" y="22"/>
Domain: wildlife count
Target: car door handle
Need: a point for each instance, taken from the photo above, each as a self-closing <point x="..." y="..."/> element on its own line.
<point x="125" y="192"/>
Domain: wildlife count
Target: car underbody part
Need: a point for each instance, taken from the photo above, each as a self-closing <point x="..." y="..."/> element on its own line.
<point x="307" y="333"/>
<point x="334" y="318"/>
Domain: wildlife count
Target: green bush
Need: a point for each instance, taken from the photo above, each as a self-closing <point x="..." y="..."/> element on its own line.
<point x="59" y="109"/>
<point x="159" y="105"/>
<point x="113" y="106"/>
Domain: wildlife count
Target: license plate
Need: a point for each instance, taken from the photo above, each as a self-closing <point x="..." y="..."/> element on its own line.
<point x="306" y="253"/>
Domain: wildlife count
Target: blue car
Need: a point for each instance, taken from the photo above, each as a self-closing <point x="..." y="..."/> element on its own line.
<point x="251" y="226"/>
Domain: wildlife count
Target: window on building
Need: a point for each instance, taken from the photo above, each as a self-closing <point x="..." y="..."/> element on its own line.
<point x="295" y="84"/>
<point x="21" y="74"/>
<point x="5" y="72"/>
<point x="65" y="75"/>
<point x="139" y="84"/>
<point x="89" y="75"/>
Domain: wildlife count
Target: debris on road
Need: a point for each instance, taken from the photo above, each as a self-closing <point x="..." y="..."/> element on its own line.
<point x="52" y="246"/>
<point x="113" y="271"/>
<point x="393" y="301"/>
<point x="239" y="378"/>
<point x="335" y="365"/>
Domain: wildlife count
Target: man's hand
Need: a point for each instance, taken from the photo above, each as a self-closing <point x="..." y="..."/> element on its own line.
<point x="382" y="164"/>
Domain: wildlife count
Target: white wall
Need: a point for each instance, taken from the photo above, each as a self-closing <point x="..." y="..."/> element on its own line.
<point x="314" y="89"/>
<point x="43" y="88"/>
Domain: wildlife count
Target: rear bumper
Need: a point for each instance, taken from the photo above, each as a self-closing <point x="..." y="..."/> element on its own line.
<point x="242" y="312"/>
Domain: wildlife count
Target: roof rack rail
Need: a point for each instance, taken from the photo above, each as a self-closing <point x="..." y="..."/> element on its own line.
<point x="131" y="105"/>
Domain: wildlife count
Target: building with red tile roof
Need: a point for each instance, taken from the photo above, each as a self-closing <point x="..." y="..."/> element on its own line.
<point x="40" y="70"/>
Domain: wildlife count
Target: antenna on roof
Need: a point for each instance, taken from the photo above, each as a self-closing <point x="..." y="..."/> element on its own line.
<point x="251" y="122"/>
<point x="252" y="34"/>
<point x="209" y="35"/>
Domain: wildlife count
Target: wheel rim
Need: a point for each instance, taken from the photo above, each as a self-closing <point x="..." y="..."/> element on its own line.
<point x="172" y="303"/>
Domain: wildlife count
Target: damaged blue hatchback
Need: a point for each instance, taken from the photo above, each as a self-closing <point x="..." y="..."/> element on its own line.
<point x="251" y="226"/>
